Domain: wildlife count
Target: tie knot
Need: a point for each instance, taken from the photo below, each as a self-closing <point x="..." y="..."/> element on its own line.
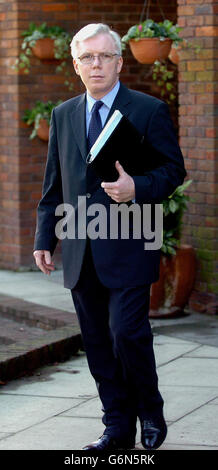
<point x="97" y="106"/>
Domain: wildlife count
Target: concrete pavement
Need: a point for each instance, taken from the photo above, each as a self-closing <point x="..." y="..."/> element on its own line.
<point x="57" y="406"/>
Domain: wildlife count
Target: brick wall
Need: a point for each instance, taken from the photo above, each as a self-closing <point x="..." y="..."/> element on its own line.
<point x="198" y="123"/>
<point x="22" y="161"/>
<point x="9" y="137"/>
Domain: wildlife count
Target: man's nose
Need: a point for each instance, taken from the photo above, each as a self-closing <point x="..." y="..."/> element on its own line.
<point x="96" y="61"/>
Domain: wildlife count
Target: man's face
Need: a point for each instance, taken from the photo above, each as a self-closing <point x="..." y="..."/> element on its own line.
<point x="98" y="77"/>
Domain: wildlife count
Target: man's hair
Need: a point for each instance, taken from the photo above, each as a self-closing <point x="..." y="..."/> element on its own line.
<point x="91" y="30"/>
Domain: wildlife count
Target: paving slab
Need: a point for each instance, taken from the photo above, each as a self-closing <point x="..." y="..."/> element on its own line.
<point x="181" y="400"/>
<point x="198" y="328"/>
<point x="170" y="351"/>
<point x="61" y="301"/>
<point x="79" y="359"/>
<point x="198" y="427"/>
<point x="214" y="402"/>
<point x="91" y="408"/>
<point x="38" y="288"/>
<point x="204" y="351"/>
<point x="77" y="383"/>
<point x="190" y="371"/>
<point x="57" y="433"/>
<point x="165" y="339"/>
<point x="18" y="288"/>
<point x="3" y="435"/>
<point x="25" y="411"/>
<point x="30" y="276"/>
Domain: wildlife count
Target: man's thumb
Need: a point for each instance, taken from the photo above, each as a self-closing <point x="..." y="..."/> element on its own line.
<point x="119" y="168"/>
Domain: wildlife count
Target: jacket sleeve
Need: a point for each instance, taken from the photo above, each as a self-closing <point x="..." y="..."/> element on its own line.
<point x="45" y="238"/>
<point x="164" y="156"/>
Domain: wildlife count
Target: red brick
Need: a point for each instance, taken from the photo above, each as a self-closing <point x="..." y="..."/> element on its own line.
<point x="193" y="2"/>
<point x="205" y="98"/>
<point x="195" y="20"/>
<point x="185" y="10"/>
<point x="196" y="87"/>
<point x="58" y="7"/>
<point x="196" y="65"/>
<point x="207" y="31"/>
<point x="207" y="76"/>
<point x="196" y="132"/>
<point x="190" y="164"/>
<point x="196" y="110"/>
<point x="209" y="20"/>
<point x="187" y="121"/>
<point x="187" y="76"/>
<point x="30" y="6"/>
<point x="205" y="121"/>
<point x="211" y="154"/>
<point x="181" y="21"/>
<point x="196" y="153"/>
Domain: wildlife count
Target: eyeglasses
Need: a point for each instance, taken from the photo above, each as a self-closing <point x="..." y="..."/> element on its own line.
<point x="104" y="57"/>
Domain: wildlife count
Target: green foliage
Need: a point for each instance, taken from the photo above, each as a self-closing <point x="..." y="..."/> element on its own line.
<point x="61" y="47"/>
<point x="40" y="111"/>
<point x="151" y="29"/>
<point x="173" y="209"/>
<point x="164" y="80"/>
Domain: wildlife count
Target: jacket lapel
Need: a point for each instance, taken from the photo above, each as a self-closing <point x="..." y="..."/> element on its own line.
<point x="78" y="121"/>
<point x="122" y="102"/>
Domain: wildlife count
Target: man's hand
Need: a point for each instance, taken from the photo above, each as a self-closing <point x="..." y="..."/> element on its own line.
<point x="123" y="189"/>
<point x="43" y="261"/>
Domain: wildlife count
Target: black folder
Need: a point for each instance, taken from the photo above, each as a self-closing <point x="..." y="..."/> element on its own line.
<point x="119" y="140"/>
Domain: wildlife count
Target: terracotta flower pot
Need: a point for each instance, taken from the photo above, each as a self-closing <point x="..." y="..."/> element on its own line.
<point x="43" y="130"/>
<point x="170" y="293"/>
<point x="147" y="50"/>
<point x="174" y="54"/>
<point x="44" y="48"/>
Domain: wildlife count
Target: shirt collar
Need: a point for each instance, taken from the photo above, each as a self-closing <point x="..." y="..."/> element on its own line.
<point x="108" y="99"/>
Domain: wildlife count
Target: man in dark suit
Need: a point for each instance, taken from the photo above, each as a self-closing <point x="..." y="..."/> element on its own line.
<point x="110" y="279"/>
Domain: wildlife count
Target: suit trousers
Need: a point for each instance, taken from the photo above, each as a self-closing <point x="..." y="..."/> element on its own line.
<point x="118" y="342"/>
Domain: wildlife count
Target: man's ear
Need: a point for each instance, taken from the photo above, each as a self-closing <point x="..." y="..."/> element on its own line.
<point x="76" y="68"/>
<point x="120" y="64"/>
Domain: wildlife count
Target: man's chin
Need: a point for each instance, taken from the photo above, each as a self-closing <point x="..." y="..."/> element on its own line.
<point x="98" y="89"/>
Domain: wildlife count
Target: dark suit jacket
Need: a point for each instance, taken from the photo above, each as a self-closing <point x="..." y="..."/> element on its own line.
<point x="121" y="262"/>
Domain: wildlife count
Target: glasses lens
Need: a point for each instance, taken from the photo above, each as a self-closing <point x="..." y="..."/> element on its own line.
<point x="107" y="57"/>
<point x="86" y="59"/>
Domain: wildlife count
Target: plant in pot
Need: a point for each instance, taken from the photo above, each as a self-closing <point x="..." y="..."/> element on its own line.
<point x="45" y="42"/>
<point x="39" y="116"/>
<point x="177" y="47"/>
<point x="170" y="293"/>
<point x="150" y="41"/>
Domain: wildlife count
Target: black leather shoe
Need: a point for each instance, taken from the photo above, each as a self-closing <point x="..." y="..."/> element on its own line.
<point x="153" y="432"/>
<point x="107" y="442"/>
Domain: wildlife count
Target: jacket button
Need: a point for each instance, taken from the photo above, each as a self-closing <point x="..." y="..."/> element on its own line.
<point x="88" y="195"/>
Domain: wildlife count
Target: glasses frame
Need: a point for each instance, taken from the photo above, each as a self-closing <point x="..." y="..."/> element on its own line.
<point x="99" y="57"/>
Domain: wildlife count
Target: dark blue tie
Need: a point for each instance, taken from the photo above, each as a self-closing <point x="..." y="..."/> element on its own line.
<point x="95" y="126"/>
